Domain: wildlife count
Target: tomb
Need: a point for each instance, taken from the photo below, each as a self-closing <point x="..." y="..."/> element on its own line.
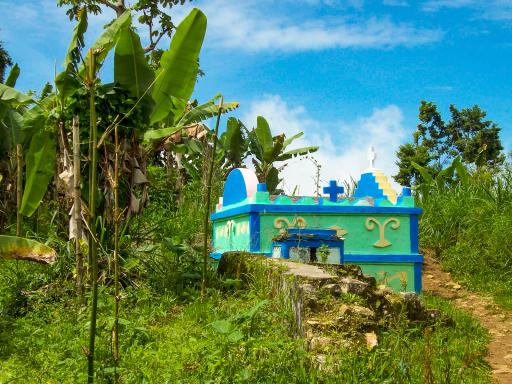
<point x="374" y="228"/>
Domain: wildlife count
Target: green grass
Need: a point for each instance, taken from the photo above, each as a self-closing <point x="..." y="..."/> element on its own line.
<point x="468" y="228"/>
<point x="167" y="340"/>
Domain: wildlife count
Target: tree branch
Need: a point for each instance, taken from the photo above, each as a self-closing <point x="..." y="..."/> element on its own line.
<point x="153" y="44"/>
<point x="108" y="4"/>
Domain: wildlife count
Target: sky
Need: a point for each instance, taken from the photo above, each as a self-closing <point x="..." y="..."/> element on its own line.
<point x="348" y="73"/>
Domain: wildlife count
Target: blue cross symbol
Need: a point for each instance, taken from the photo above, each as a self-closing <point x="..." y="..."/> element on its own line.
<point x="333" y="190"/>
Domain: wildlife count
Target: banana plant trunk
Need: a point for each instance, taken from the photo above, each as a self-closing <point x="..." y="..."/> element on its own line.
<point x="77" y="208"/>
<point x="93" y="246"/>
<point x="19" y="187"/>
<point x="117" y="219"/>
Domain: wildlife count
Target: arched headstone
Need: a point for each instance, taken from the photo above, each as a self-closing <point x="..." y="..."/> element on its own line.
<point x="241" y="183"/>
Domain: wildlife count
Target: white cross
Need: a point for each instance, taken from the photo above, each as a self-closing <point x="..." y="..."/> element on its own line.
<point x="372" y="156"/>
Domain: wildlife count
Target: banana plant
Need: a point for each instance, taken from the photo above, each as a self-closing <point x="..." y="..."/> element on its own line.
<point x="269" y="150"/>
<point x="18" y="248"/>
<point x="192" y="115"/>
<point x="234" y="147"/>
<point x="455" y="172"/>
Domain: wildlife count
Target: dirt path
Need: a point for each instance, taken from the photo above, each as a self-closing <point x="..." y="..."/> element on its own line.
<point x="497" y="321"/>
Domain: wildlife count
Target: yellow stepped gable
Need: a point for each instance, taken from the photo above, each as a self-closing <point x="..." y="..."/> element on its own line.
<point x="385" y="186"/>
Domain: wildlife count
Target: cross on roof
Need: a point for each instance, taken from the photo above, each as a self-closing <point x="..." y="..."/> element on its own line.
<point x="333" y="190"/>
<point x="371" y="157"/>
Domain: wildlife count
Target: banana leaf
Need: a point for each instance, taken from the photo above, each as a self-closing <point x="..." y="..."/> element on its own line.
<point x="106" y="41"/>
<point x="195" y="115"/>
<point x="131" y="68"/>
<point x="177" y="74"/>
<point x="40" y="162"/>
<point x="206" y="111"/>
<point x="14" y="73"/>
<point x="19" y="248"/>
<point x="65" y="81"/>
<point x="232" y="140"/>
<point x="425" y="174"/>
<point x="13" y="96"/>
<point x="264" y="138"/>
<point x="297" y="152"/>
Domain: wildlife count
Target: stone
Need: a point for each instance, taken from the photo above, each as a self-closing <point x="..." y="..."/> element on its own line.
<point x="383" y="290"/>
<point x="372" y="281"/>
<point x="371" y="340"/>
<point x="333" y="289"/>
<point x="319" y="324"/>
<point x="319" y="342"/>
<point x="349" y="285"/>
<point x="307" y="288"/>
<point x="356" y="310"/>
<point x="413" y="305"/>
<point x="432" y="314"/>
<point x="320" y="359"/>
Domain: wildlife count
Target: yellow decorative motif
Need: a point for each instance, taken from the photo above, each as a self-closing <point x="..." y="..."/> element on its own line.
<point x="370" y="225"/>
<point x="229" y="228"/>
<point x="339" y="231"/>
<point x="243" y="228"/>
<point x="281" y="222"/>
<point x="385" y="279"/>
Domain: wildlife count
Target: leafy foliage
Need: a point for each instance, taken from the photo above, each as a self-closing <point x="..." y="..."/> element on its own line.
<point x="151" y="13"/>
<point x="436" y="143"/>
<point x="466" y="223"/>
<point x="175" y="80"/>
<point x="40" y="169"/>
<point x="5" y="61"/>
<point x="268" y="150"/>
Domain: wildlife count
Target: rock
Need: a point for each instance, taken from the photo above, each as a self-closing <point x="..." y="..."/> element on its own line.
<point x="371" y="340"/>
<point x="383" y="290"/>
<point x="333" y="289"/>
<point x="372" y="281"/>
<point x="432" y="314"/>
<point x="349" y="285"/>
<point x="356" y="310"/>
<point x="319" y="324"/>
<point x="453" y="285"/>
<point x="319" y="342"/>
<point x="307" y="288"/>
<point x="349" y="270"/>
<point x="413" y="305"/>
<point x="409" y="296"/>
<point x="320" y="360"/>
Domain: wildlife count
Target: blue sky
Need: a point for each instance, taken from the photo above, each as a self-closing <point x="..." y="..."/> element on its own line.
<point x="349" y="73"/>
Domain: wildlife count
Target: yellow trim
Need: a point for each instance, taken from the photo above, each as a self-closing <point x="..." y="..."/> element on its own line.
<point x="385" y="186"/>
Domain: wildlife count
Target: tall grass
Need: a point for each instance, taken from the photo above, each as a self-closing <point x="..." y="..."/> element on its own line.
<point x="468" y="226"/>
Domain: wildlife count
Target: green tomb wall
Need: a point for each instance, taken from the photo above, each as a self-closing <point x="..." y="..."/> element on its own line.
<point x="398" y="276"/>
<point x="232" y="234"/>
<point x="353" y="227"/>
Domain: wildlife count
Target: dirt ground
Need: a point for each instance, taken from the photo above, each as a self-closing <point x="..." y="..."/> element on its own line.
<point x="497" y="320"/>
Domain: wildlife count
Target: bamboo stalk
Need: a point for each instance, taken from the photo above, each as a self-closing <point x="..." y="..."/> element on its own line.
<point x="93" y="246"/>
<point x="77" y="204"/>
<point x="117" y="297"/>
<point x="19" y="187"/>
<point x="208" y="200"/>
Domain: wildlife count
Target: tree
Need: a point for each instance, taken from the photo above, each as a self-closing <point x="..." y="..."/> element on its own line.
<point x="151" y="13"/>
<point x="436" y="143"/>
<point x="5" y="61"/>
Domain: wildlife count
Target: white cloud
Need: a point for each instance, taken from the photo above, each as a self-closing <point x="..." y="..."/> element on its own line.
<point x="343" y="146"/>
<point x="249" y="26"/>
